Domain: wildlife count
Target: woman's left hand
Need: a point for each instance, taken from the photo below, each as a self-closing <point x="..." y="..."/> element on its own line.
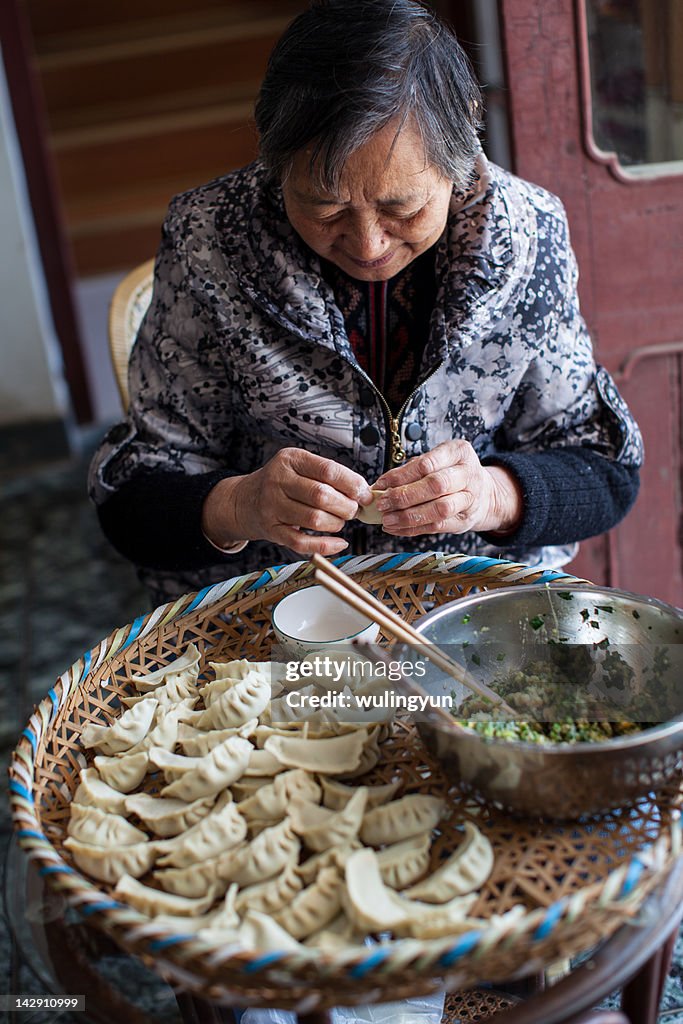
<point x="447" y="490"/>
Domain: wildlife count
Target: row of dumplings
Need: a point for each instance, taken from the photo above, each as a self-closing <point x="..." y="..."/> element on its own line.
<point x="248" y="834"/>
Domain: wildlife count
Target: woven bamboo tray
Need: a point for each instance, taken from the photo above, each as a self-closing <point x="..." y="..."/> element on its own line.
<point x="578" y="882"/>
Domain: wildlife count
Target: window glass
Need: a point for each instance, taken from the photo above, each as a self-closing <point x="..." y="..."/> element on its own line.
<point x="636" y="68"/>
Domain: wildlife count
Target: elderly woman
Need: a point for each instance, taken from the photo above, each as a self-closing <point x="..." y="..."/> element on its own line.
<point x="369" y="302"/>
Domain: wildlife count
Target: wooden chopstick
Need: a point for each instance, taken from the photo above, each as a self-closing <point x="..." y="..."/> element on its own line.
<point x="347" y="590"/>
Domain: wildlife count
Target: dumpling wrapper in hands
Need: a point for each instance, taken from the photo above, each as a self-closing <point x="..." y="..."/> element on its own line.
<point x="370" y="514"/>
<point x="464" y="871"/>
<point x="92" y="825"/>
<point x="124" y="733"/>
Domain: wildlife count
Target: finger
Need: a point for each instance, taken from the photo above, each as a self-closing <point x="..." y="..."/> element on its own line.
<point x="447" y="510"/>
<point x="448" y="453"/>
<point x="318" y="496"/>
<point x="332" y="473"/>
<point x="440" y="483"/>
<point x="302" y="516"/>
<point x="306" y="544"/>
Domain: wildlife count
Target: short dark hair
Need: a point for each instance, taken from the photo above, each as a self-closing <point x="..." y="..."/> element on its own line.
<point x="345" y="68"/>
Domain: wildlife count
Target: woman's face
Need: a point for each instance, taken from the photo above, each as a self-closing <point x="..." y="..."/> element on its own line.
<point x="391" y="206"/>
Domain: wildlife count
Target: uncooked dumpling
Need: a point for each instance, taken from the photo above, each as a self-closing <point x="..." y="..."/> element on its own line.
<point x="220" y="830"/>
<point x="337" y="755"/>
<point x="320" y="828"/>
<point x="167" y="817"/>
<point x="96" y="793"/>
<point x="144" y="682"/>
<point x="124" y="733"/>
<point x="401" y="819"/>
<point x="403" y="863"/>
<point x="465" y="870"/>
<point x="92" y="825"/>
<point x="152" y="901"/>
<point x="313" y="908"/>
<point x="109" y="863"/>
<point x="123" y="773"/>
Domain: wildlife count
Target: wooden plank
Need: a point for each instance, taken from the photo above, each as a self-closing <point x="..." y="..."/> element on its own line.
<point x="144" y="74"/>
<point x="95" y="170"/>
<point x="53" y="18"/>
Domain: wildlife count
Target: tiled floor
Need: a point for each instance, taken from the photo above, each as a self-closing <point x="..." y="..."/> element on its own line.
<point x="62" y="589"/>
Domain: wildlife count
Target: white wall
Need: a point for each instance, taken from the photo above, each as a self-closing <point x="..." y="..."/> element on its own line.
<point x="31" y="379"/>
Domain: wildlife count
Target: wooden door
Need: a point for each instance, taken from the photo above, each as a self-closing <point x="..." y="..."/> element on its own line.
<point x="627" y="230"/>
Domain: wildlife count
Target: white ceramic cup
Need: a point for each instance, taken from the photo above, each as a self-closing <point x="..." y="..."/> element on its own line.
<point x="312" y="618"/>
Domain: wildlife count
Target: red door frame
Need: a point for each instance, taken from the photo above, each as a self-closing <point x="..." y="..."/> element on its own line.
<point x="628" y="236"/>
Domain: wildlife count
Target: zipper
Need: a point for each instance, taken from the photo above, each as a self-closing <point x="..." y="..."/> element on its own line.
<point x="396" y="454"/>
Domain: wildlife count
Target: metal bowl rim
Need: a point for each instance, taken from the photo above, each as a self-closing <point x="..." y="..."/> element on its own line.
<point x="645" y="736"/>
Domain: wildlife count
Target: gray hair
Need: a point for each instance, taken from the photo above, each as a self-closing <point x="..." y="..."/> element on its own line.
<point x="344" y="69"/>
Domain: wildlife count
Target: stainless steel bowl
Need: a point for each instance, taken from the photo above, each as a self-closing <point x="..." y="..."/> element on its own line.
<point x="557" y="780"/>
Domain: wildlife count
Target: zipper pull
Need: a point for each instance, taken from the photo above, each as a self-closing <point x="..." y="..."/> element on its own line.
<point x="398" y="454"/>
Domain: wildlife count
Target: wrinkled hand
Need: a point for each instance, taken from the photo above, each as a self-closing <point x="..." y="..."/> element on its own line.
<point x="447" y="490"/>
<point x="293" y="492"/>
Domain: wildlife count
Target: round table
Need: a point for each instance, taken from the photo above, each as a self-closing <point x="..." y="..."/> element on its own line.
<point x="67" y="956"/>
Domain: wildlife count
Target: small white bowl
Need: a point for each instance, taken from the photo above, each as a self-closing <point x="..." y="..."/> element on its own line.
<point x="312" y="618"/>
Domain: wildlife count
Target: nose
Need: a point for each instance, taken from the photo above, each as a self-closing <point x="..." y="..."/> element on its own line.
<point x="367" y="239"/>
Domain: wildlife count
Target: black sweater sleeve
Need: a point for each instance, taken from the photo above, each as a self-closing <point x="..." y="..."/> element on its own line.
<point x="154" y="519"/>
<point x="569" y="494"/>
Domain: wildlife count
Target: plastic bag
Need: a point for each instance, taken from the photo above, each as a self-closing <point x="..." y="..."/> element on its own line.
<point x="422" y="1010"/>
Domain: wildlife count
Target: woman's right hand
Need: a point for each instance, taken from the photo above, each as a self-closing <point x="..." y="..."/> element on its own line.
<point x="293" y="492"/>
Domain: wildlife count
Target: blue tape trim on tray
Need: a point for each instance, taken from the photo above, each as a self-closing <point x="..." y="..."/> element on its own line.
<point x="29" y="833"/>
<point x="550" y="919"/>
<point x="549" y="575"/>
<point x="91" y="908"/>
<point x="264" y="578"/>
<point x="134" y="630"/>
<point x="54" y="869"/>
<point x="264" y="961"/>
<point x="462" y="947"/>
<point x="31" y="738"/>
<point x="198" y="599"/>
<point x="635" y="870"/>
<point x="87" y="661"/>
<point x="473" y="565"/>
<point x="396" y="560"/>
<point x="369" y="964"/>
<point x="16" y="787"/>
<point x="55" y="703"/>
<point x="172" y="940"/>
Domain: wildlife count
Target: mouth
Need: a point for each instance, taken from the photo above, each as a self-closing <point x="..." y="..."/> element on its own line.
<point x="373" y="264"/>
